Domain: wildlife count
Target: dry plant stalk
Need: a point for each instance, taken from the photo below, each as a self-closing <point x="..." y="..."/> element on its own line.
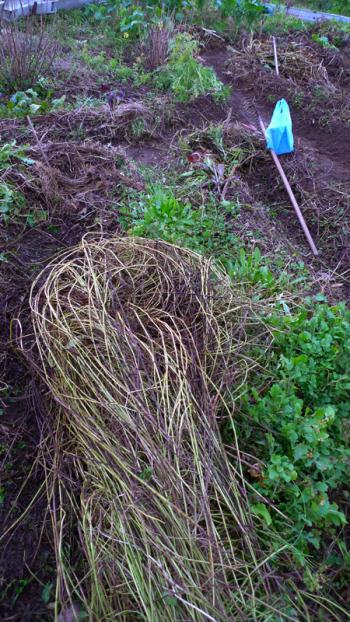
<point x="141" y="343"/>
<point x="27" y="53"/>
<point x="298" y="62"/>
<point x="156" y="46"/>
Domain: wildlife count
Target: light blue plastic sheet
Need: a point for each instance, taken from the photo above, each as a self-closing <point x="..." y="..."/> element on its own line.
<point x="279" y="134"/>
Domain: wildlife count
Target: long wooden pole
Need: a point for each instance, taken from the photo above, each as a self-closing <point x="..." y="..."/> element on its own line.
<point x="291" y="195"/>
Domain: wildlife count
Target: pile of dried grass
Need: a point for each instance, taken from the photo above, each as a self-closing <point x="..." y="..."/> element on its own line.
<point x="299" y="63"/>
<point x="98" y="123"/>
<point x="72" y="177"/>
<point x="144" y="346"/>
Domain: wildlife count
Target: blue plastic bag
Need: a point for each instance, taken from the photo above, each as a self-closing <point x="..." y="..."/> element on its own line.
<point x="279" y="134"/>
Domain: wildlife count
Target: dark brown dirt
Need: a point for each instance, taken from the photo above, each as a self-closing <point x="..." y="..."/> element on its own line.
<point x="26" y="559"/>
<point x="152" y="153"/>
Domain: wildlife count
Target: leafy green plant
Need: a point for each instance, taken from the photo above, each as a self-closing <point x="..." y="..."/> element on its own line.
<point x="323" y="41"/>
<point x="249" y="266"/>
<point x="95" y="61"/>
<point x="332" y="6"/>
<point x="244" y="12"/>
<point x="298" y="98"/>
<point x="320" y="93"/>
<point x="121" y="72"/>
<point x="138" y="128"/>
<point x="159" y="214"/>
<point x="185" y="76"/>
<point x="36" y="217"/>
<point x="205" y="229"/>
<point x="11" y="202"/>
<point x="99" y="12"/>
<point x="47" y="592"/>
<point x="29" y="102"/>
<point x="280" y="23"/>
<point x="301" y="422"/>
<point x="10" y="151"/>
<point x="132" y="19"/>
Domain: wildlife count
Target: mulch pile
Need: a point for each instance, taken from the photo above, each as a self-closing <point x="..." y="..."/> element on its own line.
<point x="72" y="177"/>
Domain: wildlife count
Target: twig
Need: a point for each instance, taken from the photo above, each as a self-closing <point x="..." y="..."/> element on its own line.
<point x="291" y="194"/>
<point x="38" y="142"/>
<point x="275" y="56"/>
<point x="212" y="33"/>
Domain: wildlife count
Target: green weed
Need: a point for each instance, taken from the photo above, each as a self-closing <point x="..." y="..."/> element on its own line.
<point x="185" y="76"/>
<point x="104" y="65"/>
<point x="29" y="102"/>
<point x="138" y="128"/>
<point x="341" y="7"/>
<point x="299" y="426"/>
<point x="320" y="93"/>
<point x="94" y="61"/>
<point x="47" y="592"/>
<point x="323" y="41"/>
<point x="159" y="214"/>
<point x="10" y="151"/>
<point x="245" y="13"/>
<point x="207" y="229"/>
<point x="129" y="19"/>
<point x="298" y="99"/>
<point x="11" y="202"/>
<point x="120" y="72"/>
<point x="280" y="23"/>
<point x="2" y="494"/>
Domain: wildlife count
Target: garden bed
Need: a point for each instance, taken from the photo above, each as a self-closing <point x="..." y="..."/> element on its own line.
<point x="91" y="166"/>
